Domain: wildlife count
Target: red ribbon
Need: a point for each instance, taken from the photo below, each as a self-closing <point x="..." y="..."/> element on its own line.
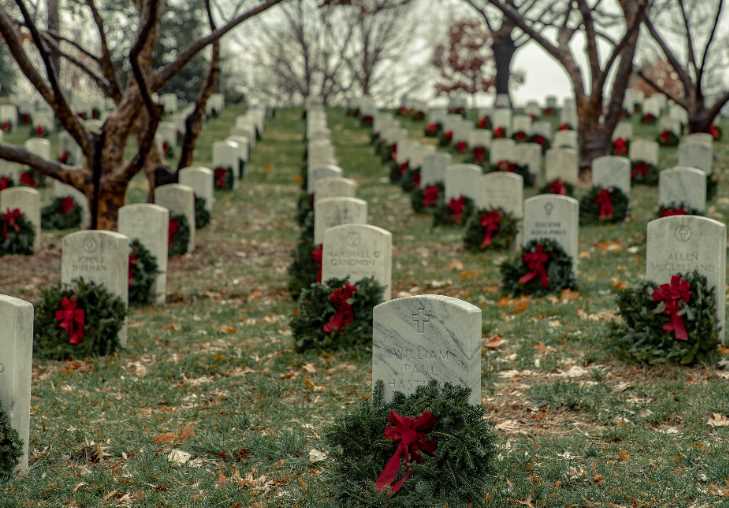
<point x="416" y="179"/>
<point x="455" y="208"/>
<point x="665" y="136"/>
<point x="172" y="229"/>
<point x="672" y="295"/>
<point x="431" y="129"/>
<point x="565" y="127"/>
<point x="484" y="122"/>
<point x="490" y="224"/>
<point x="520" y="136"/>
<point x="404" y="167"/>
<point x="620" y="146"/>
<point x="498" y="133"/>
<point x="430" y="196"/>
<point x="479" y="154"/>
<point x="505" y="166"/>
<point x="6" y="126"/>
<point x="317" y="256"/>
<point x="40" y="131"/>
<point x="221" y="177"/>
<point x="411" y="433"/>
<point x="393" y="151"/>
<point x="715" y="132"/>
<point x="5" y="182"/>
<point x="64" y="157"/>
<point x="536" y="262"/>
<point x="640" y="168"/>
<point x="605" y="201"/>
<point x="133" y="261"/>
<point x="461" y="147"/>
<point x="10" y="221"/>
<point x="448" y="136"/>
<point x="648" y="118"/>
<point x="26" y="178"/>
<point x="557" y="187"/>
<point x="670" y="212"/>
<point x="71" y="319"/>
<point x="344" y="314"/>
<point x="538" y="139"/>
<point x="66" y="205"/>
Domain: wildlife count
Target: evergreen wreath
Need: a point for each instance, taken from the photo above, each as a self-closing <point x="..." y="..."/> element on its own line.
<point x="6" y="126"/>
<point x="621" y="147"/>
<point x="168" y="150"/>
<point x="445" y="138"/>
<point x="178" y="235"/>
<point x="374" y="138"/>
<point x="223" y="178"/>
<point x="671" y="322"/>
<point x="643" y="172"/>
<point x="433" y="129"/>
<point x="11" y="447"/>
<point x="512" y="167"/>
<point x="6" y="182"/>
<point x="202" y="215"/>
<point x="667" y="138"/>
<point x="484" y="123"/>
<point x="38" y="131"/>
<point x="336" y="314"/>
<point x="32" y="178"/>
<point x="716" y="132"/>
<point x="398" y="171"/>
<point x="454" y="212"/>
<point x="492" y="229"/>
<point x="427" y="198"/>
<point x="542" y="267"/>
<point x="304" y="207"/>
<point x="712" y="185"/>
<point x="541" y="141"/>
<point x="77" y="320"/>
<point x="520" y="136"/>
<point x="410" y="180"/>
<point x="604" y="205"/>
<point x="461" y="146"/>
<point x="648" y="119"/>
<point x="479" y="155"/>
<point x="498" y="133"/>
<point x="143" y="270"/>
<point x="559" y="187"/>
<point x="305" y="268"/>
<point x="62" y="213"/>
<point x="456" y="441"/>
<point x="17" y="233"/>
<point x="671" y="209"/>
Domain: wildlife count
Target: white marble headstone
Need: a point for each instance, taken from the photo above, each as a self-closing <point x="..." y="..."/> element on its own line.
<point x="503" y="150"/>
<point x="696" y="155"/>
<point x="201" y="181"/>
<point x="502" y="190"/>
<point x="644" y="150"/>
<point x="178" y="199"/>
<point x="332" y="212"/>
<point x="681" y="185"/>
<point x="423" y="338"/>
<point x="316" y="173"/>
<point x="562" y="163"/>
<point x="463" y="180"/>
<point x="554" y="217"/>
<point x="434" y="168"/>
<point x="335" y="187"/>
<point x="610" y="171"/>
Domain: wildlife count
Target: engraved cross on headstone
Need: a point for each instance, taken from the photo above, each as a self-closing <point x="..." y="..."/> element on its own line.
<point x="421" y="317"/>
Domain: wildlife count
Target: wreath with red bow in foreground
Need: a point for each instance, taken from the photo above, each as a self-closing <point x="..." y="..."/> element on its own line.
<point x="336" y="314"/>
<point x="17" y="233"/>
<point x="558" y="187"/>
<point x="6" y="126"/>
<point x="178" y="235"/>
<point x="431" y="448"/>
<point x="490" y="229"/>
<point x="643" y="172"/>
<point x="77" y="320"/>
<point x="667" y="138"/>
<point x="604" y="205"/>
<point x="11" y="447"/>
<point x="671" y="322"/>
<point x="672" y="209"/>
<point x="453" y="212"/>
<point x="143" y="271"/>
<point x="542" y="267"/>
<point x="424" y="199"/>
<point x="223" y="178"/>
<point x="62" y="213"/>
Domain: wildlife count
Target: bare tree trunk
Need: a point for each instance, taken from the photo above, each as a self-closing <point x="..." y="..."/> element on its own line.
<point x="595" y="135"/>
<point x="504" y="49"/>
<point x="54" y="25"/>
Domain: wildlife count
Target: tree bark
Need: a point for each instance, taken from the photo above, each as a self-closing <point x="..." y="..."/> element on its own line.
<point x="504" y="49"/>
<point x="594" y="135"/>
<point x="54" y="26"/>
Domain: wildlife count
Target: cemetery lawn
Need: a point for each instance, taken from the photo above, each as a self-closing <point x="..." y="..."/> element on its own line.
<point x="214" y="373"/>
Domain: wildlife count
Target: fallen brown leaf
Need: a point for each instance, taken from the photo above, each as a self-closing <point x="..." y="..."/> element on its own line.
<point x="494" y="342"/>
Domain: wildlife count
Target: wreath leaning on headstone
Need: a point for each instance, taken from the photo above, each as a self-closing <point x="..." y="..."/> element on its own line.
<point x="223" y="178"/>
<point x="667" y="138"/>
<point x="178" y="235"/>
<point x="604" y="205"/>
<point x="427" y="198"/>
<point x="304" y="207"/>
<point x="431" y="448"/>
<point x="542" y="267"/>
<point x="306" y="266"/>
<point x="671" y="322"/>
<point x="643" y="172"/>
<point x="454" y="212"/>
<point x="512" y="167"/>
<point x="6" y="182"/>
<point x="336" y="314"/>
<point x="672" y="209"/>
<point x="410" y="180"/>
<point x="559" y="187"/>
<point x="202" y="215"/>
<point x="17" y="233"/>
<point x="62" y="213"/>
<point x="143" y="270"/>
<point x="77" y="320"/>
<point x="398" y="170"/>
<point x="490" y="229"/>
<point x="11" y="447"/>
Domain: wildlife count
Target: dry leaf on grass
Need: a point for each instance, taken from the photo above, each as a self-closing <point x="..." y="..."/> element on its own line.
<point x="316" y="456"/>
<point x="179" y="457"/>
<point x="228" y="329"/>
<point x="455" y="265"/>
<point x="718" y="420"/>
<point x="609" y="246"/>
<point x="180" y="436"/>
<point x="494" y="341"/>
<point x="518" y="305"/>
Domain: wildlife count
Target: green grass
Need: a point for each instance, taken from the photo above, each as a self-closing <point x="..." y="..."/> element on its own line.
<point x="214" y="373"/>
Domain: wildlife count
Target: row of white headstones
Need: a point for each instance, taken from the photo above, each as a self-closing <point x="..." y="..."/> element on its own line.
<point x="101" y="257"/>
<point x="432" y="337"/>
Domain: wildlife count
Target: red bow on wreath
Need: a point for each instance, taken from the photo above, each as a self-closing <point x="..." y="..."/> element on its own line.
<point x="479" y="154"/>
<point x="430" y="196"/>
<point x="221" y="175"/>
<point x="640" y="168"/>
<point x="455" y="208"/>
<point x="672" y="295"/>
<point x="317" y="255"/>
<point x="64" y="157"/>
<point x="172" y="229"/>
<point x="461" y="147"/>
<point x="5" y="182"/>
<point x="133" y="260"/>
<point x="71" y="319"/>
<point x="498" y="133"/>
<point x="620" y="146"/>
<point x="343" y="315"/>
<point x="393" y="151"/>
<point x="665" y="136"/>
<point x="40" y="131"/>
<point x="520" y="136"/>
<point x="448" y="136"/>
<point x="431" y="129"/>
<point x="538" y="139"/>
<point x="605" y="201"/>
<point x="715" y="132"/>
<point x="412" y="435"/>
<point x="10" y="221"/>
<point x="490" y="224"/>
<point x="66" y="205"/>
<point x="27" y="179"/>
<point x="505" y="166"/>
<point x="536" y="262"/>
<point x="484" y="122"/>
<point x="404" y="167"/>
<point x="670" y="212"/>
<point x="416" y="179"/>
<point x="558" y="187"/>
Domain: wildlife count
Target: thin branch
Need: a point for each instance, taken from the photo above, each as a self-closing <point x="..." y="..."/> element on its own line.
<point x="105" y="60"/>
<point x="709" y="42"/>
<point x="689" y="37"/>
<point x="665" y="91"/>
<point x="61" y="172"/>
